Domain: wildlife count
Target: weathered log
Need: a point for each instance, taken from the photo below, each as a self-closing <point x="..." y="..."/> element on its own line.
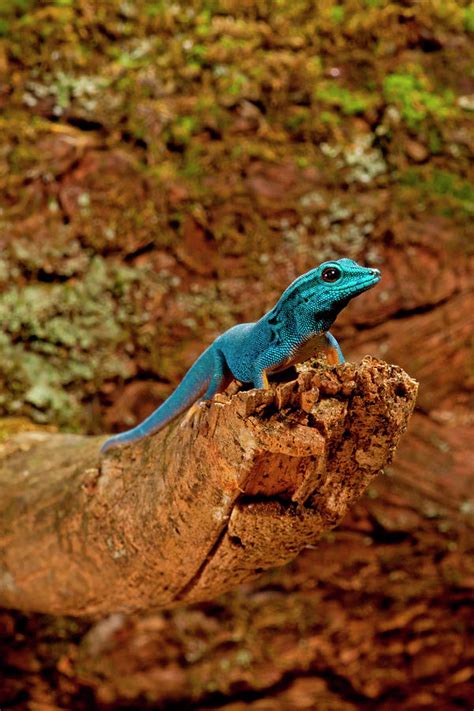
<point x="203" y="505"/>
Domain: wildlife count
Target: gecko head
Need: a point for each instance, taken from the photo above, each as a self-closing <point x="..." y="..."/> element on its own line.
<point x="336" y="282"/>
<point x="344" y="278"/>
<point x="319" y="295"/>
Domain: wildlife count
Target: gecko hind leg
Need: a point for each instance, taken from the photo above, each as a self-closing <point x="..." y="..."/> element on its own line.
<point x="220" y="379"/>
<point x="221" y="376"/>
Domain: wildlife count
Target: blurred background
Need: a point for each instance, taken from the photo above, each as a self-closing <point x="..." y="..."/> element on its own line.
<point x="166" y="169"/>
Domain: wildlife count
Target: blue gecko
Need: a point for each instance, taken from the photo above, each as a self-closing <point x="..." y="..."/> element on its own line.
<point x="293" y="330"/>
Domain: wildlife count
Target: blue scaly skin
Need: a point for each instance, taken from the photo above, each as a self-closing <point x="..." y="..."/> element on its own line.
<point x="296" y="328"/>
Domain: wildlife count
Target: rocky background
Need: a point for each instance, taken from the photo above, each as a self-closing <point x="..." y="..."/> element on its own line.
<point x="166" y="169"/>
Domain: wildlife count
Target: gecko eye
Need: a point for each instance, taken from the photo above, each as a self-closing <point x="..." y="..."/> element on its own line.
<point x="331" y="274"/>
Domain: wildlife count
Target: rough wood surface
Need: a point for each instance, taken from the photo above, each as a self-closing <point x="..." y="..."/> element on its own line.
<point x="201" y="507"/>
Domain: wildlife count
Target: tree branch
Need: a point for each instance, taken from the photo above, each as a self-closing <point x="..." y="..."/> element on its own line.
<point x="200" y="507"/>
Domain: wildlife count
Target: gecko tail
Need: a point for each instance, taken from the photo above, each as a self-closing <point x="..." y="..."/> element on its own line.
<point x="191" y="388"/>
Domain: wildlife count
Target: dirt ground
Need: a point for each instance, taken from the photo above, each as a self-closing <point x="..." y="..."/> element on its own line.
<point x="166" y="169"/>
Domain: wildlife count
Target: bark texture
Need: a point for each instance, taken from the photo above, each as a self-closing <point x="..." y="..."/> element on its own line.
<point x="201" y="507"/>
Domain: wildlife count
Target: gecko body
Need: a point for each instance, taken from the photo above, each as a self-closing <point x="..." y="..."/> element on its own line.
<point x="293" y="330"/>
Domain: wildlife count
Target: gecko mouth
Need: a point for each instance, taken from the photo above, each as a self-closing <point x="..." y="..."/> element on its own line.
<point x="371" y="281"/>
<point x="364" y="285"/>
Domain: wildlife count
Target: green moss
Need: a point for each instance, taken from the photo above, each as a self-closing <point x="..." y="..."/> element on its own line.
<point x="468" y="17"/>
<point x="329" y="118"/>
<point x="445" y="183"/>
<point x="56" y="338"/>
<point x="337" y="13"/>
<point x="349" y="102"/>
<point x="456" y="193"/>
<point x="298" y="119"/>
<point x="182" y="129"/>
<point x="14" y="8"/>
<point x="435" y="142"/>
<point x="410" y="93"/>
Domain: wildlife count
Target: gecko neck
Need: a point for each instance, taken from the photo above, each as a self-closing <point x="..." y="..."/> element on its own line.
<point x="305" y="322"/>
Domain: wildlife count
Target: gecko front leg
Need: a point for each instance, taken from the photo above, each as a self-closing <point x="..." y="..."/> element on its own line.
<point x="261" y="380"/>
<point x="270" y="360"/>
<point x="274" y="360"/>
<point x="333" y="350"/>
